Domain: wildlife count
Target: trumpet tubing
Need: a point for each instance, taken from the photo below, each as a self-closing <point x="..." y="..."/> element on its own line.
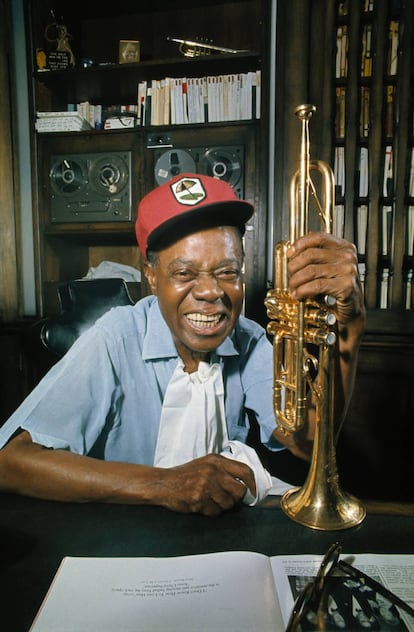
<point x="297" y="326"/>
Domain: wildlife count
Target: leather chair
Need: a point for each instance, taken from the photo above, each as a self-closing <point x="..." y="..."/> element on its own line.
<point x="82" y="302"/>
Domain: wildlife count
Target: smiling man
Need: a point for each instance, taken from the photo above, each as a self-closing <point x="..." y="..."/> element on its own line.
<point x="150" y="405"/>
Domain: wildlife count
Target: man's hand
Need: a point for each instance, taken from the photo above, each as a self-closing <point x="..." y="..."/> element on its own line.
<point x="321" y="264"/>
<point x="208" y="485"/>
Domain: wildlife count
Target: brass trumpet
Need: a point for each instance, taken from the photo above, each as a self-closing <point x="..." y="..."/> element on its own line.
<point x="298" y="326"/>
<point x="195" y="48"/>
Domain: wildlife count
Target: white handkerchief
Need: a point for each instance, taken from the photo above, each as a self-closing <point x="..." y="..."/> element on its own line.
<point x="193" y="421"/>
<point x="244" y="453"/>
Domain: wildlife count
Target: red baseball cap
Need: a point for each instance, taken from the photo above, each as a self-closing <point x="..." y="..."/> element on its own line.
<point x="187" y="203"/>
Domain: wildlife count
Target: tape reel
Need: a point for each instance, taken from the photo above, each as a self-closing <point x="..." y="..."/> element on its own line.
<point x="171" y="163"/>
<point x="223" y="162"/>
<point x="68" y="177"/>
<point x="90" y="187"/>
<point x="226" y="164"/>
<point x="109" y="175"/>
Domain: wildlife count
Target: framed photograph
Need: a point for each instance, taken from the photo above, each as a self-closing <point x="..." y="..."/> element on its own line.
<point x="129" y="51"/>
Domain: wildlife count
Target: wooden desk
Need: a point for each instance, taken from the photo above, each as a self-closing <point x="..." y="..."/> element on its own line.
<point x="36" y="535"/>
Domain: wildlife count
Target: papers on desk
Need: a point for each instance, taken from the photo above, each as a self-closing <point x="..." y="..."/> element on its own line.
<point x="219" y="591"/>
<point x="233" y="591"/>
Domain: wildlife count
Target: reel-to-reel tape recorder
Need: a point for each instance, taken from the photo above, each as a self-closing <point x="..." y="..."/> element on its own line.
<point x="225" y="162"/>
<point x="90" y="187"/>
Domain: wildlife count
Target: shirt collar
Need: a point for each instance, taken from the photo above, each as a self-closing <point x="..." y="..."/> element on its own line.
<point x="158" y="341"/>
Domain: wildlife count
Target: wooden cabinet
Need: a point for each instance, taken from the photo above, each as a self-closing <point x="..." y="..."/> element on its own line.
<point x="67" y="249"/>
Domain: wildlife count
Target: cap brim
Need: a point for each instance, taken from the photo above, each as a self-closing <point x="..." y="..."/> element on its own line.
<point x="230" y="213"/>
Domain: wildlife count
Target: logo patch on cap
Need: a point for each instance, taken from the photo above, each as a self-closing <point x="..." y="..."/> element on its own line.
<point x="188" y="191"/>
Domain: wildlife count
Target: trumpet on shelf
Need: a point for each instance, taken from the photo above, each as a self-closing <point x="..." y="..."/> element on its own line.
<point x="196" y="48"/>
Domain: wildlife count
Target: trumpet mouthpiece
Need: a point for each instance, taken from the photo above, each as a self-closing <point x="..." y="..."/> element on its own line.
<point x="305" y="111"/>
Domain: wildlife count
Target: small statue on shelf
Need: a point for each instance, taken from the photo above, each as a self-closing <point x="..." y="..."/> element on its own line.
<point x="63" y="42"/>
<point x="63" y="56"/>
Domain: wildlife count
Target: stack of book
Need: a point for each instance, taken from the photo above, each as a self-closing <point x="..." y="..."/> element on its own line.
<point x="61" y="122"/>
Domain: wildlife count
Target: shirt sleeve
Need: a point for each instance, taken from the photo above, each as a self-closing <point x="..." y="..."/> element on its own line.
<point x="77" y="398"/>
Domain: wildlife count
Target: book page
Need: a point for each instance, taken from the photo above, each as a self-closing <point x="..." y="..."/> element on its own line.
<point x="216" y="592"/>
<point x="395" y="572"/>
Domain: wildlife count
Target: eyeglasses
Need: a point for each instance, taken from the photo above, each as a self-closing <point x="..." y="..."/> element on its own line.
<point x="311" y="611"/>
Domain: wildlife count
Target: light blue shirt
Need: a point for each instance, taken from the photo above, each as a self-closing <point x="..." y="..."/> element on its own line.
<point x="104" y="397"/>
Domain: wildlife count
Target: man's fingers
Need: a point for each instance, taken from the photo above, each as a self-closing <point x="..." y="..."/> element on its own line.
<point x="208" y="485"/>
<point x="322" y="264"/>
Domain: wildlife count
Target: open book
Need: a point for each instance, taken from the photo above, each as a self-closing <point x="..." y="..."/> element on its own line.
<point x="216" y="592"/>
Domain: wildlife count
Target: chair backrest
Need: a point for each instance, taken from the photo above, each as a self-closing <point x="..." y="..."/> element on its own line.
<point x="82" y="303"/>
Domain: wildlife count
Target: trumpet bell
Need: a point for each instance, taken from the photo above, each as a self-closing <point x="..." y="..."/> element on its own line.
<point x="321" y="503"/>
<point x="331" y="509"/>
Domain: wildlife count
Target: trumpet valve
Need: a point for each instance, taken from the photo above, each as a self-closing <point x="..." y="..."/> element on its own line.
<point x="321" y="337"/>
<point x="320" y="317"/>
<point x="329" y="300"/>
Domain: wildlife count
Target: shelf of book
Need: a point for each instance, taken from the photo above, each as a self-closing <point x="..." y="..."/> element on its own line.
<point x="374" y="165"/>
